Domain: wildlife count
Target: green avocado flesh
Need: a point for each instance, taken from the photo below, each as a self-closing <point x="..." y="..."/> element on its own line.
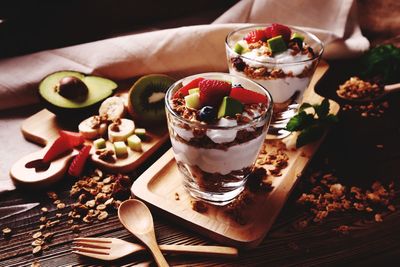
<point x="99" y="89"/>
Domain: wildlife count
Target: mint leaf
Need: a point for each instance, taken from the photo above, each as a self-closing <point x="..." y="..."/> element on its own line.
<point x="322" y="109"/>
<point x="331" y="118"/>
<point x="300" y="121"/>
<point x="309" y="135"/>
<point x="304" y="106"/>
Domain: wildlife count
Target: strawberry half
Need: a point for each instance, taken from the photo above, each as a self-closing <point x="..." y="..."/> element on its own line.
<point x="60" y="146"/>
<point x="247" y="96"/>
<point x="74" y="138"/>
<point x="255" y="36"/>
<point x="184" y="91"/>
<point x="279" y="29"/>
<point x="213" y="91"/>
<point x="77" y="165"/>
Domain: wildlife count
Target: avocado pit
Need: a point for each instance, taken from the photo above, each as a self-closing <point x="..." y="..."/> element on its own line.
<point x="72" y="88"/>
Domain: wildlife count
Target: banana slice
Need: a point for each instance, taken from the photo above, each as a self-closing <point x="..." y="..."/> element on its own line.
<point x="113" y="107"/>
<point x="92" y="128"/>
<point x="120" y="130"/>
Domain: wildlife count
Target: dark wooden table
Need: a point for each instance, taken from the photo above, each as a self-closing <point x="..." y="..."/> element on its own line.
<point x="350" y="149"/>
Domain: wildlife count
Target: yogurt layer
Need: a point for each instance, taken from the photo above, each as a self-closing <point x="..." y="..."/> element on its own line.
<point x="217" y="160"/>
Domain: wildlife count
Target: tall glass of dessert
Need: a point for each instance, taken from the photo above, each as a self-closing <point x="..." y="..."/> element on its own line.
<point x="280" y="58"/>
<point x="217" y="124"/>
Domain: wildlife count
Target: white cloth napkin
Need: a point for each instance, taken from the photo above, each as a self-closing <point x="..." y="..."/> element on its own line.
<point x="184" y="50"/>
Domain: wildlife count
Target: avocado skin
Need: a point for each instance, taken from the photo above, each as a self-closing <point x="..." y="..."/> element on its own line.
<point x="77" y="113"/>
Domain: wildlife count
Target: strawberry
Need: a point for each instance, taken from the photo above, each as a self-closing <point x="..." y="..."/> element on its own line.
<point x="183" y="91"/>
<point x="255" y="36"/>
<point x="213" y="91"/>
<point x="60" y="146"/>
<point x="75" y="139"/>
<point x="77" y="165"/>
<point x="278" y="29"/>
<point x="247" y="96"/>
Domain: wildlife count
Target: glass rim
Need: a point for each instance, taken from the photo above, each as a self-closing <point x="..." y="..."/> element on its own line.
<point x="199" y="124"/>
<point x="310" y="35"/>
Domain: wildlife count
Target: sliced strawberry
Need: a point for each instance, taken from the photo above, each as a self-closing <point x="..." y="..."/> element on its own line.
<point x="184" y="91"/>
<point x="60" y="146"/>
<point x="247" y="96"/>
<point x="268" y="32"/>
<point x="74" y="138"/>
<point x="77" y="165"/>
<point x="213" y="91"/>
<point x="255" y="36"/>
<point x="279" y="29"/>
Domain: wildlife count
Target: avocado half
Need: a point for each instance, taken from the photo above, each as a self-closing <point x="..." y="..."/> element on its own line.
<point x="87" y="103"/>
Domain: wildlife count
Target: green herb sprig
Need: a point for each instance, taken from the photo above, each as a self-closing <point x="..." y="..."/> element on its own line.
<point x="311" y="125"/>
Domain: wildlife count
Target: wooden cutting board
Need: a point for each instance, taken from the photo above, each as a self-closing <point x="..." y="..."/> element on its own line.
<point x="42" y="128"/>
<point x="162" y="182"/>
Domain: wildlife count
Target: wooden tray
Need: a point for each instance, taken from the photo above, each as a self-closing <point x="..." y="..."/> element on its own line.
<point x="160" y="183"/>
<point x="42" y="128"/>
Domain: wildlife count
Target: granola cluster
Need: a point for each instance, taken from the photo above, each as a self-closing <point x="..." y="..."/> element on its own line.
<point x="328" y="196"/>
<point x="355" y="88"/>
<point x="277" y="157"/>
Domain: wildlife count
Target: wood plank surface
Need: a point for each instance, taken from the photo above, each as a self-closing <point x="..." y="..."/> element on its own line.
<point x="350" y="148"/>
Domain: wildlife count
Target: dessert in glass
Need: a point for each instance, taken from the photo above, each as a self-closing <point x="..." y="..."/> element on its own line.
<point x="217" y="124"/>
<point x="281" y="59"/>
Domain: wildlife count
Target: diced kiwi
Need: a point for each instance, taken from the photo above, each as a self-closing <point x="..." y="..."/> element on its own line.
<point x="238" y="48"/>
<point x="135" y="143"/>
<point x="140" y="132"/>
<point x="277" y="44"/>
<point x="121" y="150"/>
<point x="229" y="107"/>
<point x="194" y="90"/>
<point x="99" y="143"/>
<point x="146" y="98"/>
<point x="193" y="100"/>
<point x="297" y="35"/>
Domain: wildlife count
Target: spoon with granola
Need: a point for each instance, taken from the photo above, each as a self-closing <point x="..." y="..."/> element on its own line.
<point x="357" y="90"/>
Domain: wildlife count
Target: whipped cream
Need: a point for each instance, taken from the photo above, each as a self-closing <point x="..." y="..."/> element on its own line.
<point x="217" y="160"/>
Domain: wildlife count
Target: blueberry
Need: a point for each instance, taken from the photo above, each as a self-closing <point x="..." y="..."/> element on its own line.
<point x="207" y="113"/>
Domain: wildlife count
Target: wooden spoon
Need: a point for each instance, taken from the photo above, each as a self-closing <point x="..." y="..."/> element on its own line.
<point x="387" y="89"/>
<point x="136" y="217"/>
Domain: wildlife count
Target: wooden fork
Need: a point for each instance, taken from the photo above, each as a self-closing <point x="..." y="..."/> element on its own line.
<point x="113" y="248"/>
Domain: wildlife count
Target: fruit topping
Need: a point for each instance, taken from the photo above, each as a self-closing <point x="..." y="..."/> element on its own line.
<point x="193" y="100"/>
<point x="120" y="130"/>
<point x="238" y="48"/>
<point x="213" y="91"/>
<point x="59" y="147"/>
<point x="229" y="107"/>
<point x="255" y="36"/>
<point x="194" y="90"/>
<point x="112" y="108"/>
<point x="207" y="114"/>
<point x="277" y="44"/>
<point x="73" y="89"/>
<point x="298" y="39"/>
<point x="93" y="127"/>
<point x="135" y="143"/>
<point x="75" y="139"/>
<point x="141" y="133"/>
<point x="99" y="143"/>
<point x="184" y="91"/>
<point x="246" y="96"/>
<point x="121" y="150"/>
<point x="78" y="164"/>
<point x="146" y="98"/>
<point x="279" y="29"/>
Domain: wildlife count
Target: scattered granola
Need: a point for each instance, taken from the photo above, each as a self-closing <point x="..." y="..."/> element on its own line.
<point x="278" y="158"/>
<point x="36" y="250"/>
<point x="36" y="264"/>
<point x="7" y="232"/>
<point x="342" y="229"/>
<point x="368" y="110"/>
<point x="199" y="206"/>
<point x="176" y="196"/>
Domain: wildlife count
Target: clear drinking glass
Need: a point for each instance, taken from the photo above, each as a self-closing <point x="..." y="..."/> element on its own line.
<point x="285" y="78"/>
<point x="216" y="172"/>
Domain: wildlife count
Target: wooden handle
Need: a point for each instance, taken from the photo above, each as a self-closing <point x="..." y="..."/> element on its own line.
<point x="158" y="256"/>
<point x="392" y="87"/>
<point x="229" y="252"/>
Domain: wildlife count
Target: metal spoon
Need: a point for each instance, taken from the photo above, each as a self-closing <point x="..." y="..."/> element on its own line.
<point x="387" y="89"/>
<point x="136" y="217"/>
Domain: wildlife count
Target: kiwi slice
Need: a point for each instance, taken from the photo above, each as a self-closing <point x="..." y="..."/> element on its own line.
<point x="146" y="98"/>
